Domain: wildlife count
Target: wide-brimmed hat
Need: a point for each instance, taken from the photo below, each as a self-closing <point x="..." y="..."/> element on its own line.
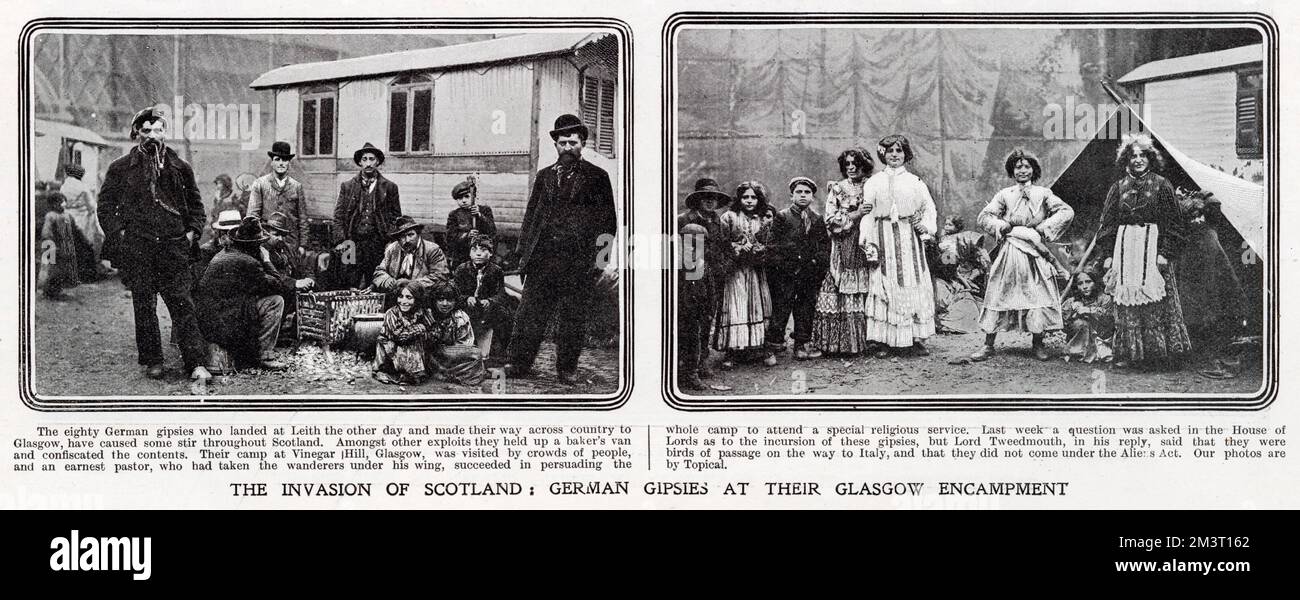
<point x="566" y="124"/>
<point x="707" y="188"/>
<point x="249" y="231"/>
<point x="227" y="220"/>
<point x="278" y="221"/>
<point x="281" y="150"/>
<point x="368" y="147"/>
<point x="145" y="116"/>
<point x="404" y="224"/>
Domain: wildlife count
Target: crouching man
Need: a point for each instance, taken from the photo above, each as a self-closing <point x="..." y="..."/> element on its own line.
<point x="240" y="301"/>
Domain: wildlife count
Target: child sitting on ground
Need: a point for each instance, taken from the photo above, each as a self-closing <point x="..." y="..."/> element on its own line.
<point x="452" y="348"/>
<point x="482" y="287"/>
<point x="400" y="353"/>
<point x="1089" y="321"/>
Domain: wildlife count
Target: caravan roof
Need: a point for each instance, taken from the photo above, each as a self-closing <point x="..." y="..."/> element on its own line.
<point x="530" y="45"/>
<point x="69" y="131"/>
<point x="1195" y="63"/>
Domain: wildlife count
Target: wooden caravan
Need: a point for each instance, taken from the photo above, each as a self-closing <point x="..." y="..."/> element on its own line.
<point x="441" y="114"/>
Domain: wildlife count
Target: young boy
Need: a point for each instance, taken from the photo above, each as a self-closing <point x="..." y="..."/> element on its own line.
<point x="466" y="221"/>
<point x="482" y="295"/>
<point x="801" y="251"/>
<point x="694" y="306"/>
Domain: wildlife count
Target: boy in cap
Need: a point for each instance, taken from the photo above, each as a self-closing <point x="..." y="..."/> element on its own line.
<point x="467" y="220"/>
<point x="801" y="250"/>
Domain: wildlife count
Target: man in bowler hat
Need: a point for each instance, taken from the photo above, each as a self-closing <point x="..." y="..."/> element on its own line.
<point x="277" y="192"/>
<point x="367" y="208"/>
<point x="570" y="213"/>
<point x="152" y="213"/>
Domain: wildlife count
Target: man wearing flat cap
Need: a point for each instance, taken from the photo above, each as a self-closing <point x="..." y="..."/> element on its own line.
<point x="409" y="258"/>
<point x="277" y="192"/>
<point x="570" y="213"/>
<point x="367" y="208"/>
<point x="152" y="213"/>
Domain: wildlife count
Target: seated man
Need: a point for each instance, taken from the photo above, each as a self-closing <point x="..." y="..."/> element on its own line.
<point x="226" y="222"/>
<point x="280" y="253"/>
<point x="409" y="258"/>
<point x="239" y="298"/>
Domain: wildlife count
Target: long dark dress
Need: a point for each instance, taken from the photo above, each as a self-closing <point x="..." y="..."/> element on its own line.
<point x="1210" y="291"/>
<point x="59" y="256"/>
<point x="1156" y="329"/>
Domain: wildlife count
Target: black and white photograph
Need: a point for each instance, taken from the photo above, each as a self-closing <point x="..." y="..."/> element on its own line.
<point x="969" y="212"/>
<point x="333" y="212"/>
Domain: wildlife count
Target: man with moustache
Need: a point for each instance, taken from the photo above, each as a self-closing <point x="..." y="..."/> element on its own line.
<point x="277" y="192"/>
<point x="409" y="258"/>
<point x="570" y="214"/>
<point x="152" y="213"/>
<point x="367" y="208"/>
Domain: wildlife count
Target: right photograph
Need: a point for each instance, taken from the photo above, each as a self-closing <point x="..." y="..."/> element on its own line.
<point x="990" y="213"/>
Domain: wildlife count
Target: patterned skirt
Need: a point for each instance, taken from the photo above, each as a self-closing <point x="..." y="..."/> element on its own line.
<point x="401" y="359"/>
<point x="1153" y="330"/>
<point x="903" y="310"/>
<point x="746" y="308"/>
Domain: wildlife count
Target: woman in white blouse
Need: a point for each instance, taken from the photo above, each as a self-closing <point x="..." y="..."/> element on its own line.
<point x="901" y="217"/>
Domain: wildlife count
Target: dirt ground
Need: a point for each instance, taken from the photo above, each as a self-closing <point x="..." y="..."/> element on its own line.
<point x="1013" y="370"/>
<point x="85" y="346"/>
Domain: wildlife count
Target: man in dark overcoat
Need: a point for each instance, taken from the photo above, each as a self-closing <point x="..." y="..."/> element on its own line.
<point x="152" y="213"/>
<point x="240" y="298"/>
<point x="570" y="214"/>
<point x="367" y="208"/>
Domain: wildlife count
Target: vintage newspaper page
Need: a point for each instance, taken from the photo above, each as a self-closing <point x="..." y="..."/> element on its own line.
<point x="648" y="255"/>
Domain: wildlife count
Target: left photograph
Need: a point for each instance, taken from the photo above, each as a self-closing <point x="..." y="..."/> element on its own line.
<point x="413" y="215"/>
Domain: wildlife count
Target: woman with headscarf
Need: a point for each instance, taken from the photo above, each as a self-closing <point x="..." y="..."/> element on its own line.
<point x="901" y="218"/>
<point x="840" y="323"/>
<point x="1142" y="223"/>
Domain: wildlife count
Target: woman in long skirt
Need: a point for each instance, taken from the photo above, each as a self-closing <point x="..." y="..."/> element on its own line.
<point x="1022" y="293"/>
<point x="1141" y="215"/>
<point x="900" y="315"/>
<point x="746" y="302"/>
<point x="840" y="323"/>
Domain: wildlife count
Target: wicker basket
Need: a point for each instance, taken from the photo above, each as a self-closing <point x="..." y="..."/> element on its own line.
<point x="327" y="316"/>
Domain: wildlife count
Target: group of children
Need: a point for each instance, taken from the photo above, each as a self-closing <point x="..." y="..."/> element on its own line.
<point x="446" y="330"/>
<point x="747" y="271"/>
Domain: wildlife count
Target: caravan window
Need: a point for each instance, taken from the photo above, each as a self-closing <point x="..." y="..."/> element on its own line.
<point x="410" y="114"/>
<point x="597" y="100"/>
<point x="1250" y="114"/>
<point x="318" y="120"/>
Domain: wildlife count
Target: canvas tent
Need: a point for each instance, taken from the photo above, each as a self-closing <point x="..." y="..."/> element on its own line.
<point x="1084" y="183"/>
